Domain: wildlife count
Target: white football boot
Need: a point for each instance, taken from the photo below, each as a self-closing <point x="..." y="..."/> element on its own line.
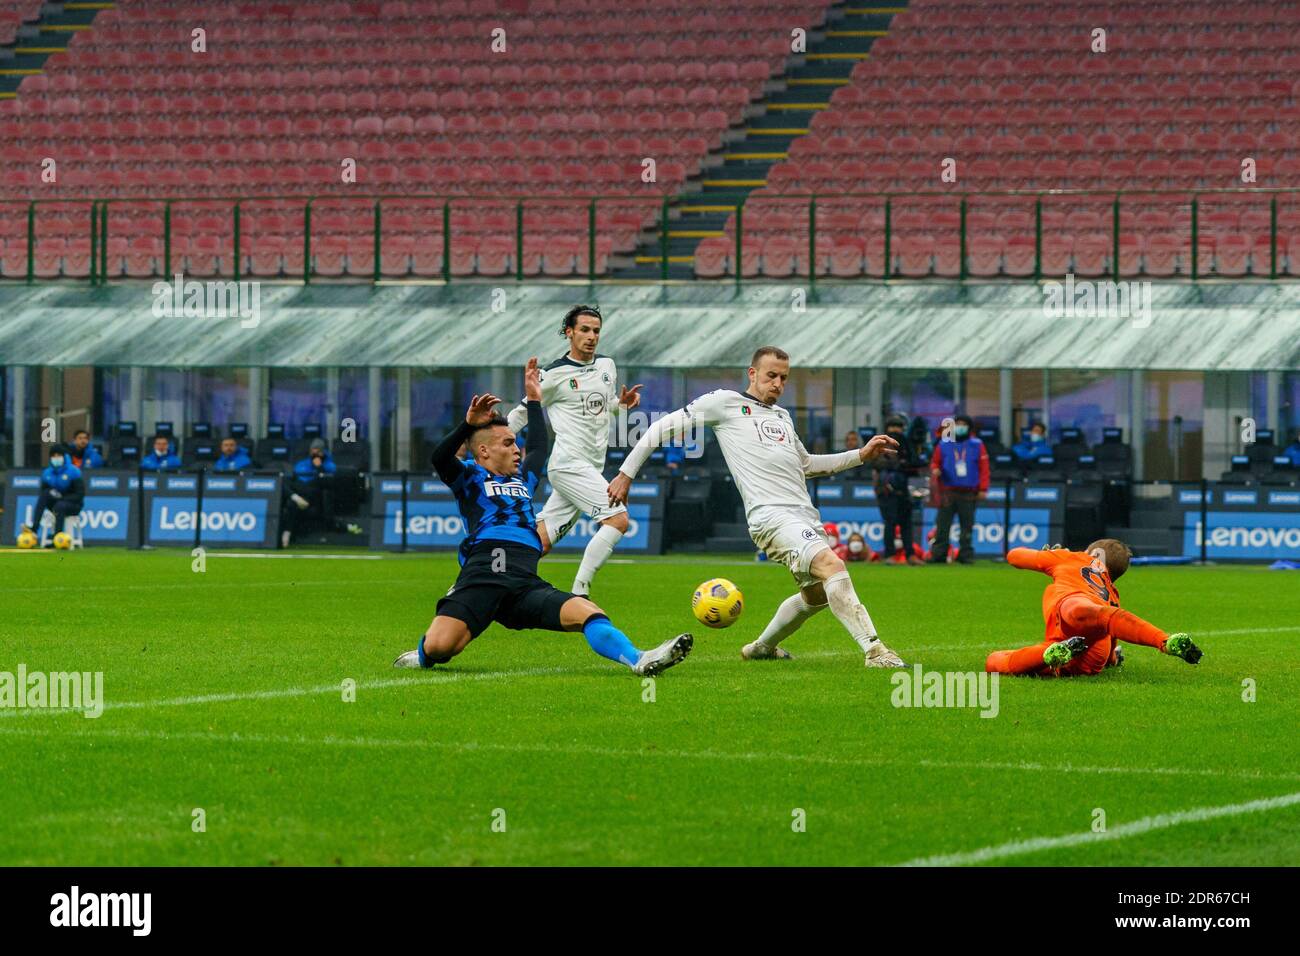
<point x="754" y="651"/>
<point x="882" y="656"/>
<point x="664" y="656"/>
<point x="409" y="658"/>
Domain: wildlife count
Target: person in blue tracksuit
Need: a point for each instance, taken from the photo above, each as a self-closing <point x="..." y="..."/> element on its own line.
<point x="234" y="457"/>
<point x="83" y="453"/>
<point x="1033" y="445"/>
<point x="63" y="491"/>
<point x="162" y="458"/>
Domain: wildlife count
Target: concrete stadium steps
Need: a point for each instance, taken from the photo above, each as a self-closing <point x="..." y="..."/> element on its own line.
<point x="781" y="117"/>
<point x="37" y="41"/>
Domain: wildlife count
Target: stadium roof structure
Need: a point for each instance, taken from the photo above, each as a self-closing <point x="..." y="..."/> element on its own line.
<point x="1207" y="326"/>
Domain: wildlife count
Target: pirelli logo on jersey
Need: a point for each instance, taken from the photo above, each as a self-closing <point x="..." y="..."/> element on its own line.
<point x="510" y="489"/>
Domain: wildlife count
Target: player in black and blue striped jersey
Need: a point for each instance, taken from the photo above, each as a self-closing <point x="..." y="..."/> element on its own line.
<point x="498" y="578"/>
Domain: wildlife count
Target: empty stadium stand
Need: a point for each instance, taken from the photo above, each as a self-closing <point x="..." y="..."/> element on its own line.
<point x="279" y="101"/>
<point x="1012" y="92"/>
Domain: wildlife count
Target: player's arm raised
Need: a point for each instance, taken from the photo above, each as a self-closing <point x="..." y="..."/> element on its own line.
<point x="445" y="462"/>
<point x="702" y="411"/>
<point x="538" y="447"/>
<point x="880" y="449"/>
<point x="1033" y="559"/>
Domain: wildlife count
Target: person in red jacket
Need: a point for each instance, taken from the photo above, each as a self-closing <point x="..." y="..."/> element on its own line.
<point x="959" y="480"/>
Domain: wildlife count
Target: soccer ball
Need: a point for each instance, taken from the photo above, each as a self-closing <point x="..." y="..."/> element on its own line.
<point x="26" y="540"/>
<point x="717" y="603"/>
<point x="62" y="541"/>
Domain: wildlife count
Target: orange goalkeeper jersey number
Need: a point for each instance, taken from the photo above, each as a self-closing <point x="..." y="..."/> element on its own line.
<point x="1072" y="572"/>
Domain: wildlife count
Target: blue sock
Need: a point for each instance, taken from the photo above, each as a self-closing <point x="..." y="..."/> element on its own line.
<point x="608" y="641"/>
<point x="419" y="650"/>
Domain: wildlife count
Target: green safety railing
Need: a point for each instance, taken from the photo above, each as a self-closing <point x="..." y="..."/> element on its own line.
<point x="99" y="224"/>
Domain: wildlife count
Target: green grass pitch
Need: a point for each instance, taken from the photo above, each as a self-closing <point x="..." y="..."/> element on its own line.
<point x="224" y="693"/>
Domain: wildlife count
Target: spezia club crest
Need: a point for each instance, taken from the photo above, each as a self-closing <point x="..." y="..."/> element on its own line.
<point x="604" y="377"/>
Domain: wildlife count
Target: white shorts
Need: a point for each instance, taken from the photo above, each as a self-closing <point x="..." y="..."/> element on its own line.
<point x="575" y="492"/>
<point x="794" y="540"/>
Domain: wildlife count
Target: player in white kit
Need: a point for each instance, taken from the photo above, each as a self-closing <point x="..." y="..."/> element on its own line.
<point x="579" y="392"/>
<point x="771" y="467"/>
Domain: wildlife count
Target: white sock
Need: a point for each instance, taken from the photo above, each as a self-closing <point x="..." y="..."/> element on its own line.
<point x="789" y="617"/>
<point x="846" y="606"/>
<point x="600" y="547"/>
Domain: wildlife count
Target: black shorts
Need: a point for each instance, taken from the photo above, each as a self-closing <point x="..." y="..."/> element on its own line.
<point x="514" y="596"/>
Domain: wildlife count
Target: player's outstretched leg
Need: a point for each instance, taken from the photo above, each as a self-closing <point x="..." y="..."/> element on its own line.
<point x="598" y="550"/>
<point x="1081" y="616"/>
<point x="578" y="613"/>
<point x="846" y="607"/>
<point x="445" y="638"/>
<point x="789" y="617"/>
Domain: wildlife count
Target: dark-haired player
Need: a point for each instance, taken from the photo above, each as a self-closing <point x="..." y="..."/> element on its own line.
<point x="579" y="392"/>
<point x="771" y="469"/>
<point x="1084" y="620"/>
<point x="498" y="579"/>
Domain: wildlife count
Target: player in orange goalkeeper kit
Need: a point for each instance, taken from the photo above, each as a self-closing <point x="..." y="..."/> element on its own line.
<point x="1084" y="620"/>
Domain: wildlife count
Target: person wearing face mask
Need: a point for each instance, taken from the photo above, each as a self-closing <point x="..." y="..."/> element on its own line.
<point x="856" y="549"/>
<point x="893" y="494"/>
<point x="959" y="477"/>
<point x="1033" y="445"/>
<point x="62" y="491"/>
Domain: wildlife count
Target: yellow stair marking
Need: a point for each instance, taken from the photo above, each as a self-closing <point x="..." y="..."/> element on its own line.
<point x="40" y="49"/>
<point x="857" y="33"/>
<point x="837" y="56"/>
<point x="21" y="72"/>
<point x="755" y="155"/>
<point x="708" y="208"/>
<point x="678" y="259"/>
<point x="8" y="96"/>
<point x="89" y="6"/>
<point x="870" y="11"/>
<point x="65" y="28"/>
<point x="797" y="106"/>
<point x="782" y="131"/>
<point x="820" y="81"/>
<point x="694" y="233"/>
<point x="734" y="182"/>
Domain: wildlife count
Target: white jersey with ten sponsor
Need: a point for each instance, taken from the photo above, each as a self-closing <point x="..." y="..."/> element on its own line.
<point x="767" y="460"/>
<point x="579" y="398"/>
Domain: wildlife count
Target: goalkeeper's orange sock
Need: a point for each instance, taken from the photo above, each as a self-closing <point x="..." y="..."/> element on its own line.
<point x="1025" y="660"/>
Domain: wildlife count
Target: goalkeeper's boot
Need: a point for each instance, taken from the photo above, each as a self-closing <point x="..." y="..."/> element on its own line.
<point x="1116" y="656"/>
<point x="756" y="651"/>
<point x="881" y="656"/>
<point x="1062" y="652"/>
<point x="659" y="659"/>
<point x="1180" y="645"/>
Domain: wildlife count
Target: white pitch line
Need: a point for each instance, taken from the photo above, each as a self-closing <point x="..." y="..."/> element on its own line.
<point x="448" y="677"/>
<point x="578" y="750"/>
<point x="440" y="677"/>
<point x="300" y="557"/>
<point x="1136" y="828"/>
